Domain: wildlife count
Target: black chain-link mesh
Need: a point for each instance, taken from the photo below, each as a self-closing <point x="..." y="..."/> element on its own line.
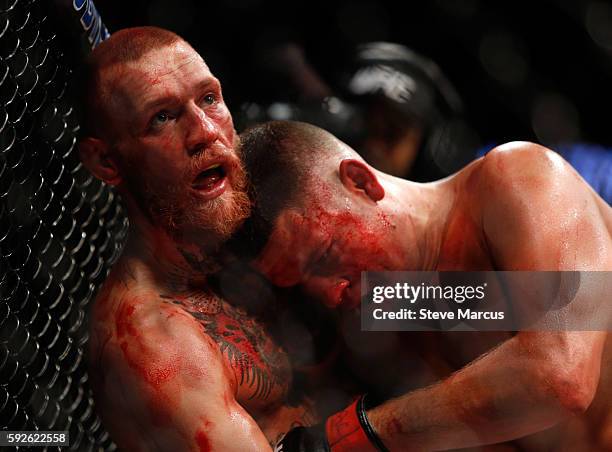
<point x="60" y="230"/>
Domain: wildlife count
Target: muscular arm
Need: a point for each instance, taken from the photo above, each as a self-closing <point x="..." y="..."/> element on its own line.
<point x="540" y="217"/>
<point x="167" y="387"/>
<point x="513" y="391"/>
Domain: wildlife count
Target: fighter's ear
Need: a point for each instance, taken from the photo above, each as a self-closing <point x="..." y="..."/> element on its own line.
<point x="96" y="157"/>
<point x="357" y="177"/>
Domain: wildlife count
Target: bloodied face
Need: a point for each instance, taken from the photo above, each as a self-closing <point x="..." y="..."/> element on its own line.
<point x="325" y="250"/>
<point x="175" y="143"/>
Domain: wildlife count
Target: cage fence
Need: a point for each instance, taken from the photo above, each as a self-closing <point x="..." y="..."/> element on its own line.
<point x="60" y="231"/>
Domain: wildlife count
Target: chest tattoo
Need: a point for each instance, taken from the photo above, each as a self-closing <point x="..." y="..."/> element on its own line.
<point x="259" y="364"/>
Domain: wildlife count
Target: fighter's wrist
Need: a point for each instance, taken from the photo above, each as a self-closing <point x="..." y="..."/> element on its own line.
<point x="346" y="431"/>
<point x="350" y="430"/>
<point x="362" y="407"/>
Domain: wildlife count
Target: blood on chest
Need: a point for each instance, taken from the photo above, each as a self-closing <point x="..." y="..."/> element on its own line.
<point x="260" y="367"/>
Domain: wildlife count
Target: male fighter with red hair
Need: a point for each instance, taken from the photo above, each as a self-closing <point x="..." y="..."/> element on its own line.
<point x="174" y="366"/>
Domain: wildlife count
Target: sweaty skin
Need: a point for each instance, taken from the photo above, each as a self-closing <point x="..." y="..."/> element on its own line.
<point x="519" y="208"/>
<point x="174" y="366"/>
<point x="186" y="370"/>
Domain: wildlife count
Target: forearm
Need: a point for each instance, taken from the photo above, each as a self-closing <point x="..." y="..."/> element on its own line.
<point x="506" y="394"/>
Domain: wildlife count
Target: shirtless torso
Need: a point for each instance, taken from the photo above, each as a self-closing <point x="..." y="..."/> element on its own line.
<point x="172" y="370"/>
<point x="520" y="208"/>
<point x="174" y="367"/>
<point x="467" y="248"/>
<point x="468" y="245"/>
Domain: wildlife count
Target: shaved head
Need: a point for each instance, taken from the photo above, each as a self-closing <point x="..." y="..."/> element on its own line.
<point x="316" y="218"/>
<point x="93" y="87"/>
<point x="284" y="161"/>
<point x="281" y="156"/>
<point x="290" y="151"/>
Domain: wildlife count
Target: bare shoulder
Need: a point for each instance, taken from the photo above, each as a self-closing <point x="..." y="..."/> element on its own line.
<point x="135" y="333"/>
<point x="517" y="170"/>
<point x="527" y="167"/>
<point x="129" y="307"/>
<point x="142" y="319"/>
<point x="534" y="177"/>
<point x="536" y="210"/>
<point x="145" y="355"/>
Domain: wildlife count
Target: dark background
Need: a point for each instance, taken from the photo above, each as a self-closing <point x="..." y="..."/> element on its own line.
<point x="537" y="71"/>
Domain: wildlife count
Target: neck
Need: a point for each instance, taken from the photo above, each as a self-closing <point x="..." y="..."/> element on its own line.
<point x="421" y="213"/>
<point x="165" y="261"/>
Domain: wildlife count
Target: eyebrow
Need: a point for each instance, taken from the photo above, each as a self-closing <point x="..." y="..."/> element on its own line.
<point x="165" y="100"/>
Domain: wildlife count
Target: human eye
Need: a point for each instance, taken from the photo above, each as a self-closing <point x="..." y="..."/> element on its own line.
<point x="159" y="119"/>
<point x="209" y="99"/>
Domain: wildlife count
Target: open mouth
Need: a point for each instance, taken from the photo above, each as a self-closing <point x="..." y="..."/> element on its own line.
<point x="211" y="181"/>
<point x="209" y="178"/>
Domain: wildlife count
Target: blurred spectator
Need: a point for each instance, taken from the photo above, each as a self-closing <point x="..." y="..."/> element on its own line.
<point x="393" y="106"/>
<point x="415" y="124"/>
<point x="300" y="95"/>
<point x="401" y="113"/>
<point x="413" y="116"/>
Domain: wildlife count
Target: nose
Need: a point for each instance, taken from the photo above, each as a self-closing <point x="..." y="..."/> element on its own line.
<point x="201" y="132"/>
